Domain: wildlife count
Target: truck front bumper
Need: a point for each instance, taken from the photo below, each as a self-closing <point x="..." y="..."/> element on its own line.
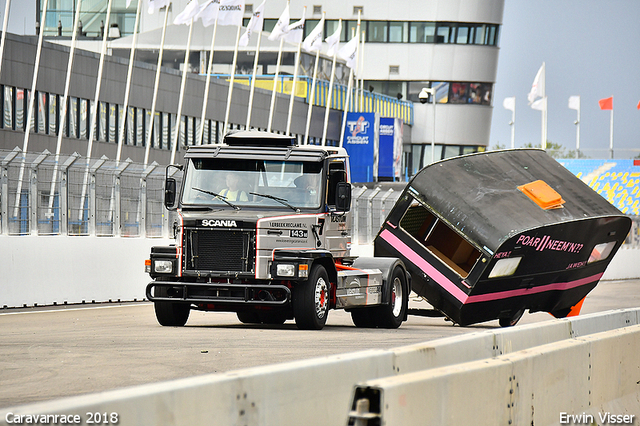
<point x="219" y="293"/>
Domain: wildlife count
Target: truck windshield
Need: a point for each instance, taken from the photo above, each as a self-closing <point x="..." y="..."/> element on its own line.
<point x="253" y="183"/>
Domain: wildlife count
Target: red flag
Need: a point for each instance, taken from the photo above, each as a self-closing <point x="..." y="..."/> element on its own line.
<point x="606" y="103"/>
<point x="638" y="105"/>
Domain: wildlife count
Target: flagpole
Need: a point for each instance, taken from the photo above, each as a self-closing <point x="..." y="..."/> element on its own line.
<point x="207" y="83"/>
<point x="155" y="93"/>
<point x="361" y="66"/>
<point x="330" y="94"/>
<point x="5" y="22"/>
<point x="31" y="97"/>
<point x="94" y="110"/>
<point x="127" y="89"/>
<point x="578" y="133"/>
<point x="295" y="77"/>
<point x="513" y="126"/>
<point x="275" y="85"/>
<point x="346" y="106"/>
<point x="611" y="136"/>
<point x="63" y="107"/>
<point x="183" y="84"/>
<point x="233" y="74"/>
<point x="544" y="110"/>
<point x="311" y="98"/>
<point x="253" y="80"/>
<point x="355" y="95"/>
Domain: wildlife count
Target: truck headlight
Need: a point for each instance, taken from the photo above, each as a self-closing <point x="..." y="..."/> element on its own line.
<point x="303" y="270"/>
<point x="163" y="266"/>
<point x="285" y="270"/>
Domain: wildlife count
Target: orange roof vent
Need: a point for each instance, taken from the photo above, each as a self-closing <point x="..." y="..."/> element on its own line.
<point x="542" y="194"/>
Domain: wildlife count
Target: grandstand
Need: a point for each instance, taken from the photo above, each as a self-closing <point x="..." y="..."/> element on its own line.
<point x="616" y="180"/>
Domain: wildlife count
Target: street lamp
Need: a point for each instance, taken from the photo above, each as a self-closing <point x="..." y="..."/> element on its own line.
<point x="424" y="98"/>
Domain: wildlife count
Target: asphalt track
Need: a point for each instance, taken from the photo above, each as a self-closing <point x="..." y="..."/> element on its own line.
<point x="52" y="352"/>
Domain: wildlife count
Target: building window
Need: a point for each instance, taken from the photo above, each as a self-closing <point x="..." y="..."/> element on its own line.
<point x="83" y="119"/>
<point x="131" y="129"/>
<point x="20" y="109"/>
<point x="113" y="123"/>
<point x="73" y="114"/>
<point x="42" y="115"/>
<point x="54" y="114"/>
<point x="140" y="125"/>
<point x="422" y="32"/>
<point x="377" y="31"/>
<point x="398" y="32"/>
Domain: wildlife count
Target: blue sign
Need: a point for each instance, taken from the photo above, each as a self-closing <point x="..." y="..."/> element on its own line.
<point x="361" y="142"/>
<point x="390" y="149"/>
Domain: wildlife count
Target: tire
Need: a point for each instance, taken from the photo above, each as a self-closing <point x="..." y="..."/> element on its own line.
<point x="364" y="317"/>
<point x="392" y="314"/>
<point x="311" y="300"/>
<point x="248" y="317"/>
<point x="170" y="314"/>
<point x="513" y="320"/>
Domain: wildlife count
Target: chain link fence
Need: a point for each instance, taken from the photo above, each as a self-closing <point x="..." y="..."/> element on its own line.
<point x="68" y="195"/>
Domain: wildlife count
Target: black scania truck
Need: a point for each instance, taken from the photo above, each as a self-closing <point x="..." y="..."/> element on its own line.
<point x="263" y="230"/>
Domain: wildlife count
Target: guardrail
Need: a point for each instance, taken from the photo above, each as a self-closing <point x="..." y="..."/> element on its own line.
<point x="522" y="375"/>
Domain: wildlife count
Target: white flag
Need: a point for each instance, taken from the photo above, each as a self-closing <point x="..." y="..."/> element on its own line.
<point x="537" y="88"/>
<point x="348" y="52"/>
<point x="281" y="26"/>
<point x="231" y="12"/>
<point x="509" y="103"/>
<point x="540" y="104"/>
<point x="313" y="42"/>
<point x="334" y="39"/>
<point x="189" y="12"/>
<point x="255" y="24"/>
<point x="574" y="103"/>
<point x="208" y="12"/>
<point x="157" y="4"/>
<point x="295" y="31"/>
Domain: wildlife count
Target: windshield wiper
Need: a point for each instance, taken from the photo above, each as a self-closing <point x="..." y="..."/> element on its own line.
<point x="278" y="199"/>
<point x="218" y="196"/>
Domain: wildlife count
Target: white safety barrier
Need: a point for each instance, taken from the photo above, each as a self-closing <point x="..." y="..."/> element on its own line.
<point x="64" y="269"/>
<point x="320" y="391"/>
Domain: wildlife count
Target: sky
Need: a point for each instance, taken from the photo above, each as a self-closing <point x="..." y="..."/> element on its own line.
<point x="590" y="48"/>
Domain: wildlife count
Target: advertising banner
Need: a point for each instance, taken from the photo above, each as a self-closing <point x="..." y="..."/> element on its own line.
<point x="390" y="152"/>
<point x="361" y="142"/>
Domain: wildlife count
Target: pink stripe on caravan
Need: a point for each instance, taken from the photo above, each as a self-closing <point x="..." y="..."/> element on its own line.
<point x="527" y="291"/>
<point x="417" y="260"/>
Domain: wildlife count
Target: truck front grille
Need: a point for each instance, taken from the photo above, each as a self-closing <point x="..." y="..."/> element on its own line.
<point x="219" y="250"/>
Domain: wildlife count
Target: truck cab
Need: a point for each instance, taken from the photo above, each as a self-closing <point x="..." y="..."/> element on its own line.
<point x="262" y="228"/>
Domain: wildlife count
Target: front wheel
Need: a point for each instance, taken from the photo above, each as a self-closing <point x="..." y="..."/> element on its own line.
<point x="512" y="320"/>
<point x="311" y="300"/>
<point x="393" y="313"/>
<point x="172" y="314"/>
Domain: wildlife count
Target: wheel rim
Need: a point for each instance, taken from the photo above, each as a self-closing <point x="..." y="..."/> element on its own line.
<point x="396" y="297"/>
<point x="321" y="297"/>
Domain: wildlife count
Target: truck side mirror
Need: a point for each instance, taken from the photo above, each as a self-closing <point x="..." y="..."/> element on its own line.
<point x="169" y="192"/>
<point x="343" y="196"/>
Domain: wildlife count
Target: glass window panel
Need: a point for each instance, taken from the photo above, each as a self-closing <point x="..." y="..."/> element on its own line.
<point x="183" y="130"/>
<point x="72" y="131"/>
<point x="43" y="112"/>
<point x="84" y="128"/>
<point x="423" y="32"/>
<point x="463" y="34"/>
<point x="101" y="134"/>
<point x="269" y="24"/>
<point x="444" y="33"/>
<point x="377" y="31"/>
<point x="442" y="92"/>
<point x="331" y="27"/>
<point x="480" y="93"/>
<point x="459" y="93"/>
<point x="349" y="29"/>
<point x="113" y="123"/>
<point x="309" y="25"/>
<point x="131" y="130"/>
<point x="8" y="107"/>
<point x="157" y="130"/>
<point x="165" y="131"/>
<point x="53" y="114"/>
<point x="196" y="131"/>
<point x="491" y="38"/>
<point x="140" y="116"/>
<point x="398" y="32"/>
<point x="451" y="151"/>
<point x="480" y="32"/>
<point x="414" y="89"/>
<point x="20" y="109"/>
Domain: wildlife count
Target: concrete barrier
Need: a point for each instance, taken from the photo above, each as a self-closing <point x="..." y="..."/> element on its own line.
<point x="50" y="270"/>
<point x="589" y="377"/>
<point x="320" y="391"/>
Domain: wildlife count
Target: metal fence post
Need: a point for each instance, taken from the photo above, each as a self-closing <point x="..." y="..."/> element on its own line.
<point x="64" y="193"/>
<point x="92" y="194"/>
<point x="117" y="225"/>
<point x="143" y="197"/>
<point x="33" y="192"/>
<point x="4" y="195"/>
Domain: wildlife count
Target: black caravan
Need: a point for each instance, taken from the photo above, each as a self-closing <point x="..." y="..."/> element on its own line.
<point x="487" y="236"/>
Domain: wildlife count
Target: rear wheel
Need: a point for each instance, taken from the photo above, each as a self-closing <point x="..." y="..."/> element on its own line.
<point x="311" y="300"/>
<point x="172" y="314"/>
<point x="392" y="314"/>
